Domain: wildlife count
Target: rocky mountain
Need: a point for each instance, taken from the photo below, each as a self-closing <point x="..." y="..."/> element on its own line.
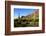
<point x="34" y="15"/>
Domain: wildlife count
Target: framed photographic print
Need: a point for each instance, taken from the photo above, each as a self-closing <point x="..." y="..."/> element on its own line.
<point x="24" y="17"/>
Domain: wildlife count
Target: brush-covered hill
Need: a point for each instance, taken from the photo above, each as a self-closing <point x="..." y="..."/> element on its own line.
<point x="34" y="15"/>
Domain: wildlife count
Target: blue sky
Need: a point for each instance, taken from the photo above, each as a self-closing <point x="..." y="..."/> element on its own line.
<point x="22" y="11"/>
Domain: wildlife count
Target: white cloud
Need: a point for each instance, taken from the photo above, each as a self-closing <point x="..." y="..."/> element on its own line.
<point x="16" y="17"/>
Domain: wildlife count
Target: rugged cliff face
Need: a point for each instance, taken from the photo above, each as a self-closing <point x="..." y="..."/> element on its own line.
<point x="34" y="15"/>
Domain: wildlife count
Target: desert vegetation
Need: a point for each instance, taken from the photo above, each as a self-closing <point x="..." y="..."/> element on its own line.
<point x="31" y="20"/>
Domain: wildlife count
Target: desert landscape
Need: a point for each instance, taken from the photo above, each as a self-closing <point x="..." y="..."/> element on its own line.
<point x="30" y="20"/>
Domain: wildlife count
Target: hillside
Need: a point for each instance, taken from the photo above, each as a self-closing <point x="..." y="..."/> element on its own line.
<point x="34" y="15"/>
